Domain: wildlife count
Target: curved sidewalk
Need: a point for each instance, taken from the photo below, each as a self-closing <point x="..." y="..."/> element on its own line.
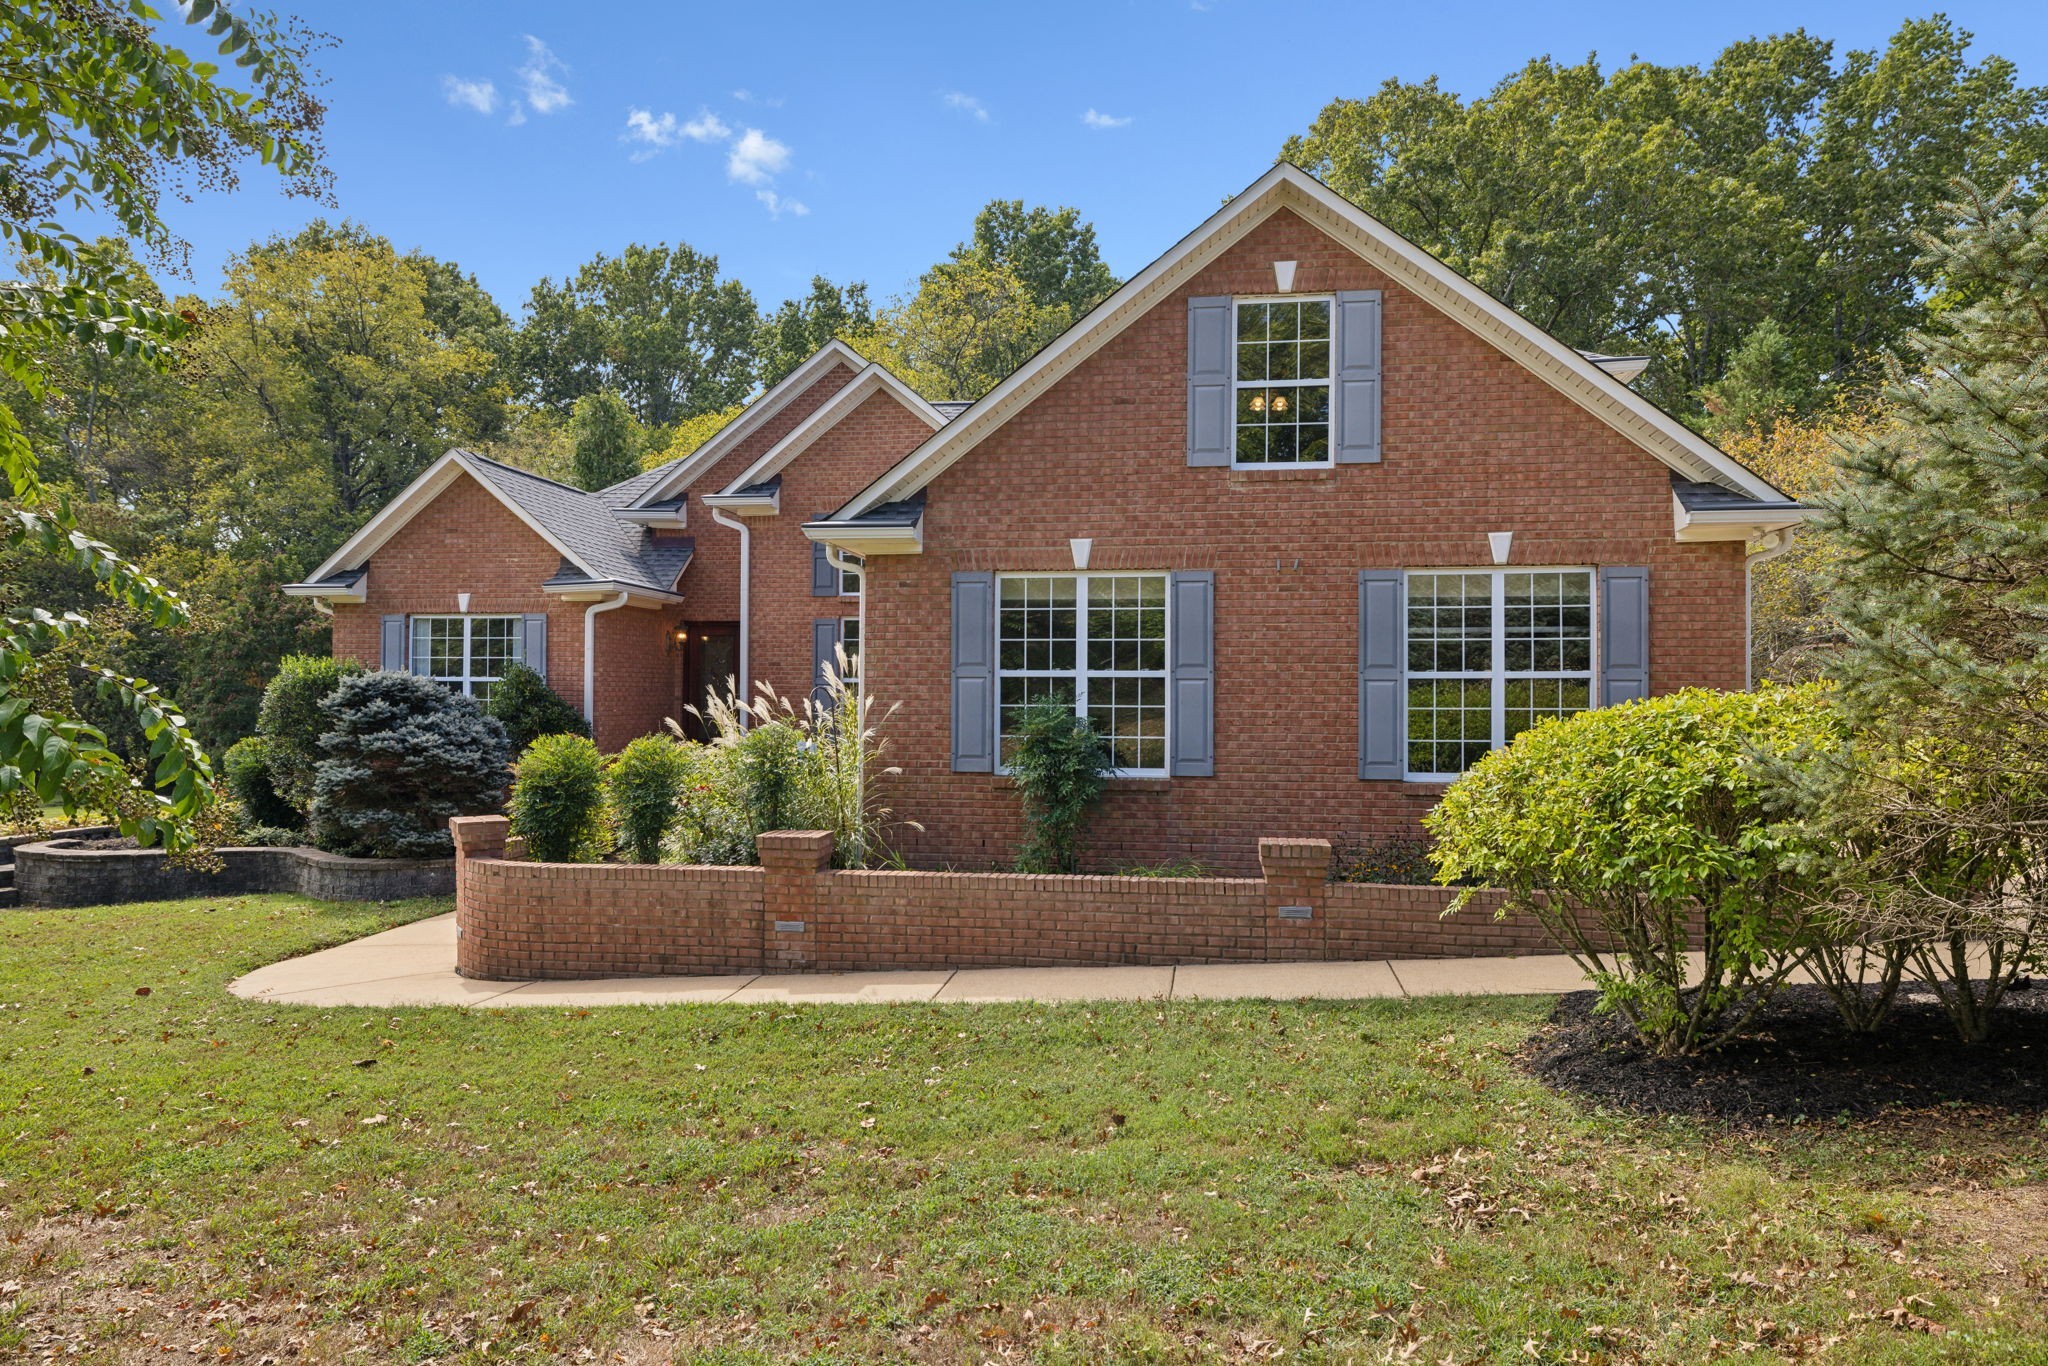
<point x="414" y="965"/>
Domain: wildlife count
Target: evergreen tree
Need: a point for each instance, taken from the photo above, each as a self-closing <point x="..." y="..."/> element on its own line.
<point x="606" y="439"/>
<point x="403" y="754"/>
<point x="1941" y="519"/>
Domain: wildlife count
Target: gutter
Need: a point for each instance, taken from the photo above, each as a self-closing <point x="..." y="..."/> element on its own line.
<point x="1770" y="547"/>
<point x="724" y="518"/>
<point x="590" y="655"/>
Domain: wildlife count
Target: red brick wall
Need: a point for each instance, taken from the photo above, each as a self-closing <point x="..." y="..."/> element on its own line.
<point x="860" y="447"/>
<point x="711" y="585"/>
<point x="1473" y="443"/>
<point x="465" y="541"/>
<point x="524" y="920"/>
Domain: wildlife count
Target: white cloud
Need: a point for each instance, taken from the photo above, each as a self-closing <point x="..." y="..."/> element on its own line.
<point x="544" y="93"/>
<point x="966" y="104"/>
<point x="778" y="206"/>
<point x="660" y="132"/>
<point x="765" y="101"/>
<point x="517" y="116"/>
<point x="756" y="158"/>
<point x="1096" y="119"/>
<point x="480" y="95"/>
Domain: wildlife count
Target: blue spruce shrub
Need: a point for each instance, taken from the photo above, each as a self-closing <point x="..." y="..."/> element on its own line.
<point x="403" y="754"/>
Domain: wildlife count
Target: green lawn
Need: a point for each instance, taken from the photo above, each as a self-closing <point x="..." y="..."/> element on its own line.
<point x="1161" y="1182"/>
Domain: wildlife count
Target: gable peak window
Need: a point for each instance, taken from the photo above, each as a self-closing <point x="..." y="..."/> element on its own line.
<point x="1283" y="350"/>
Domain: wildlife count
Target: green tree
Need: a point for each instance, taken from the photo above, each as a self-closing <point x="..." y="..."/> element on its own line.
<point x="655" y="325"/>
<point x="798" y="327"/>
<point x="98" y="115"/>
<point x="1761" y="385"/>
<point x="1672" y="209"/>
<point x="606" y="440"/>
<point x="1052" y="252"/>
<point x="1941" y="522"/>
<point x="968" y="326"/>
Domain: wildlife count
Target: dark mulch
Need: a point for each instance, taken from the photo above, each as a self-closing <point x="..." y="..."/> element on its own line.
<point x="1797" y="1062"/>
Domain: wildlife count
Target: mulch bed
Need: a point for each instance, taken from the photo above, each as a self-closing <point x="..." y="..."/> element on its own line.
<point x="1797" y="1062"/>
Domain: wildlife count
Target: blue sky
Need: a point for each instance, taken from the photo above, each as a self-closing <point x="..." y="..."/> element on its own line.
<point x="857" y="141"/>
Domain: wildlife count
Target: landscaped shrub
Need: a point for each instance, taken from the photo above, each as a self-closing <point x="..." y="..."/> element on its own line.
<point x="1060" y="765"/>
<point x="1620" y="828"/>
<point x="774" y="765"/>
<point x="644" y="784"/>
<point x="1395" y="861"/>
<point x="245" y="768"/>
<point x="558" y="800"/>
<point x="292" y="724"/>
<point x="403" y="754"/>
<point x="530" y="709"/>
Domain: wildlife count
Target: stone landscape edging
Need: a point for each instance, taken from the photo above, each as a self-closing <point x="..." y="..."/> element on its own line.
<point x="55" y="872"/>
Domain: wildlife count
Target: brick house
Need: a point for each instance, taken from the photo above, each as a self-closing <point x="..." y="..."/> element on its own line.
<point x="1303" y="520"/>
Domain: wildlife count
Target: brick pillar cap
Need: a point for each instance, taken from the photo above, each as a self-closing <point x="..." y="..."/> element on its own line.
<point x="1296" y="856"/>
<point x="795" y="848"/>
<point x="479" y="836"/>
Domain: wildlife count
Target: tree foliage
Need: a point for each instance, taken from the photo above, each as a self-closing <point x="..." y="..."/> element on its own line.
<point x="528" y="708"/>
<point x="1061" y="766"/>
<point x="1674" y="209"/>
<point x="605" y="439"/>
<point x="557" y="801"/>
<point x="644" y="785"/>
<point x="798" y="327"/>
<point x="292" y="721"/>
<point x="656" y="325"/>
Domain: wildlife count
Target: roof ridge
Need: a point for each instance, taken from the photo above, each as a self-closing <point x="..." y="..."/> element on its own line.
<point x="514" y="469"/>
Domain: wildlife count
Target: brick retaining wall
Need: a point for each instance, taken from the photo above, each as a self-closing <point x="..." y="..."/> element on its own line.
<point x="794" y="913"/>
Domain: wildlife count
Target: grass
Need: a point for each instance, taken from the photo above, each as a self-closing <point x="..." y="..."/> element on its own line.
<point x="1178" y="1181"/>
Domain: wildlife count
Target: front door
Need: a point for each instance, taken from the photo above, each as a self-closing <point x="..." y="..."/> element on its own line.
<point x="711" y="666"/>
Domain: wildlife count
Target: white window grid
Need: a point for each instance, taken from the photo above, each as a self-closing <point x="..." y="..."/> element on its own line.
<point x="1079" y="675"/>
<point x="467" y="678"/>
<point x="1498" y="675"/>
<point x="1328" y="382"/>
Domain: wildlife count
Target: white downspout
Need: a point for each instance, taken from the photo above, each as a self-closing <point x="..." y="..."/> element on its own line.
<point x="1770" y="548"/>
<point x="590" y="656"/>
<point x="839" y="562"/>
<point x="739" y="524"/>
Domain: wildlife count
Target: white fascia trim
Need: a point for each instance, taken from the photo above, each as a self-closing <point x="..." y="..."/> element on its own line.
<point x="638" y="595"/>
<point x="746" y="504"/>
<point x="864" y="541"/>
<point x="677" y="518"/>
<point x="431" y="484"/>
<point x="358" y="592"/>
<point x="1736" y="524"/>
<point x="1286" y="186"/>
<point x="820" y="363"/>
<point x="873" y="378"/>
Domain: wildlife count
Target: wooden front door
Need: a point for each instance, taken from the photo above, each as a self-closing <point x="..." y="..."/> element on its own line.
<point x="711" y="666"/>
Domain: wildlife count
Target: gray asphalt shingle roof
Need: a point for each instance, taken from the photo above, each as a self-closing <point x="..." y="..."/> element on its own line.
<point x="611" y="550"/>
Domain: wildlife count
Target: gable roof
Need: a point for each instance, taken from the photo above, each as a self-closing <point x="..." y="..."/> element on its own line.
<point x="579" y="526"/>
<point x="1583" y="380"/>
<point x="677" y="475"/>
<point x="874" y="378"/>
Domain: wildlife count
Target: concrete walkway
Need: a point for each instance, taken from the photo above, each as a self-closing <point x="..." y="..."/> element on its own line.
<point x="414" y="965"/>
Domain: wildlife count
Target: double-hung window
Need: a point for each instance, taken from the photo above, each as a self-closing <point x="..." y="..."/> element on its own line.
<point x="1283" y="381"/>
<point x="469" y="654"/>
<point x="1098" y="643"/>
<point x="1489" y="654"/>
<point x="849" y="644"/>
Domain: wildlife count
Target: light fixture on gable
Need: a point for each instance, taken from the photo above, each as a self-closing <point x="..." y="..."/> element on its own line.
<point x="1283" y="276"/>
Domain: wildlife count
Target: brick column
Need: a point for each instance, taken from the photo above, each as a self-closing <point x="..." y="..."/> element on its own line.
<point x="1296" y="873"/>
<point x="797" y="864"/>
<point x="475" y="837"/>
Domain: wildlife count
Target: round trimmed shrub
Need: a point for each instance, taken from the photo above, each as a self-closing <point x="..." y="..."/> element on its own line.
<point x="1622" y="828"/>
<point x="245" y="768"/>
<point x="292" y="724"/>
<point x="403" y="754"/>
<point x="645" y="784"/>
<point x="558" y="800"/>
<point x="530" y="708"/>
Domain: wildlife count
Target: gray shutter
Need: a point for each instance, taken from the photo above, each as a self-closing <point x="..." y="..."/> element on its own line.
<point x="824" y="578"/>
<point x="1356" y="395"/>
<point x="1209" y="374"/>
<point x="1191" y="611"/>
<point x="1382" y="734"/>
<point x="393" y="643"/>
<point x="534" y="644"/>
<point x="1624" y="634"/>
<point x="824" y="639"/>
<point x="974" y="673"/>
